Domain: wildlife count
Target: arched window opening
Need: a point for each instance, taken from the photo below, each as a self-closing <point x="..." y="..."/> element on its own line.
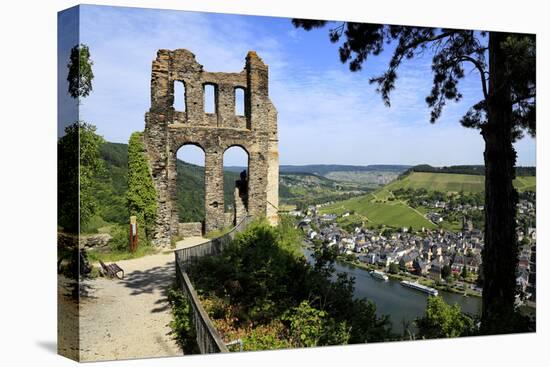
<point x="179" y="95"/>
<point x="239" y="102"/>
<point x="235" y="163"/>
<point x="209" y="98"/>
<point x="190" y="183"/>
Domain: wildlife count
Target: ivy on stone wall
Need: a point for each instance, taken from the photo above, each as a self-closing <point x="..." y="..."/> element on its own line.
<point x="141" y="196"/>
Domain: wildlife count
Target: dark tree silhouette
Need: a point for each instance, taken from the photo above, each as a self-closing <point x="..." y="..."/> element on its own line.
<point x="80" y="71"/>
<point x="506" y="66"/>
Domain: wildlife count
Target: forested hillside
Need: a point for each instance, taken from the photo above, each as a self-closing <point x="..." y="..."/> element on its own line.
<point x="110" y="189"/>
<point x="295" y="188"/>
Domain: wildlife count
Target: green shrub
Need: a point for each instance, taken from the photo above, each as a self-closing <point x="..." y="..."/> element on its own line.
<point x="310" y="327"/>
<point x="93" y="225"/>
<point x="444" y="321"/>
<point x="79" y="163"/>
<point x="263" y="282"/>
<point x="182" y="323"/>
<point x="141" y="195"/>
<point x="266" y="337"/>
<point x="121" y="239"/>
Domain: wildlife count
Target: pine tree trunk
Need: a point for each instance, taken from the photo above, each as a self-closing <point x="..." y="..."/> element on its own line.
<point x="500" y="254"/>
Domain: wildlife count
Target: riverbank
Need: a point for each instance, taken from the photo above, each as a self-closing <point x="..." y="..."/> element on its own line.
<point x="402" y="304"/>
<point x="421" y="280"/>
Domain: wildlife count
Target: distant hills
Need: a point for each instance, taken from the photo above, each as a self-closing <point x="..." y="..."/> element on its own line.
<point x="324" y="169"/>
<point x="298" y="187"/>
<point x="467" y="170"/>
<point x="111" y="189"/>
<point x="298" y="184"/>
<point x="453" y="182"/>
<point x="381" y="208"/>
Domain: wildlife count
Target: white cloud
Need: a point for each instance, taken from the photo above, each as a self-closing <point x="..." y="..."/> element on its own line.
<point x="326" y="113"/>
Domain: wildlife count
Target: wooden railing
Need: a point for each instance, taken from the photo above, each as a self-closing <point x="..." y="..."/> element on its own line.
<point x="208" y="338"/>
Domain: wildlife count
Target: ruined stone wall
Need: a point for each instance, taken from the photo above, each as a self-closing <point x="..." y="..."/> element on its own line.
<point x="166" y="130"/>
<point x="240" y="204"/>
<point x="190" y="229"/>
<point x="229" y="219"/>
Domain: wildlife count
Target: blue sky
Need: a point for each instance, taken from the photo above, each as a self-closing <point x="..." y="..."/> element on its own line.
<point x="327" y="114"/>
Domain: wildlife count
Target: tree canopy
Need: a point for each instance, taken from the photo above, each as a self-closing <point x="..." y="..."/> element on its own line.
<point x="444" y="321"/>
<point x="141" y="196"/>
<point x="80" y="71"/>
<point x="79" y="167"/>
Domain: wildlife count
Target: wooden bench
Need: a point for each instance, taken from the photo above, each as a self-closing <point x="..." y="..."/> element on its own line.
<point x="112" y="270"/>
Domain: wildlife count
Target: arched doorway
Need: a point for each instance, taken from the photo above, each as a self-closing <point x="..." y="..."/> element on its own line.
<point x="190" y="188"/>
<point x="236" y="172"/>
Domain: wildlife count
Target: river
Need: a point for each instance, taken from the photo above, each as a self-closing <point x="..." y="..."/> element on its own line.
<point x="391" y="298"/>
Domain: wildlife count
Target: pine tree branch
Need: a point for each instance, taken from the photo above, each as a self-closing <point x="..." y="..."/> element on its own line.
<point x="481" y="70"/>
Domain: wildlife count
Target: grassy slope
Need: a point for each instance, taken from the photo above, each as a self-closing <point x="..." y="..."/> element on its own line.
<point x="447" y="182"/>
<point x="377" y="212"/>
<point x="376" y="208"/>
<point x="526" y="183"/>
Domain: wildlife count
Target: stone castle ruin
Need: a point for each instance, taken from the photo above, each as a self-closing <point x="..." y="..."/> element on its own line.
<point x="166" y="130"/>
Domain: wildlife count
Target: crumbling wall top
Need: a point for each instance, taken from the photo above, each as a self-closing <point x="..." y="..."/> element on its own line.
<point x="180" y="66"/>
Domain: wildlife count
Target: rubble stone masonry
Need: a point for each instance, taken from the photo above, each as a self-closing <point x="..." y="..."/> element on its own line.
<point x="166" y="130"/>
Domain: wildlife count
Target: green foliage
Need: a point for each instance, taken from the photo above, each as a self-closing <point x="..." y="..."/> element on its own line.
<point x="444" y="321"/>
<point x="393" y="268"/>
<point x="67" y="179"/>
<point x="94" y="224"/>
<point x="141" y="195"/>
<point x="289" y="237"/>
<point x="310" y="327"/>
<point x="265" y="280"/>
<point x="366" y="326"/>
<point x="119" y="247"/>
<point x="80" y="74"/>
<point x="121" y="239"/>
<point x="111" y="190"/>
<point x="464" y="273"/>
<point x="182" y="322"/>
<point x="124" y="254"/>
<point x="445" y="272"/>
<point x="79" y="169"/>
<point x="266" y="337"/>
<point x="91" y="166"/>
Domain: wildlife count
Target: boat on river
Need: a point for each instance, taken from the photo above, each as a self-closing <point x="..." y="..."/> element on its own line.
<point x="419" y="287"/>
<point x="379" y="275"/>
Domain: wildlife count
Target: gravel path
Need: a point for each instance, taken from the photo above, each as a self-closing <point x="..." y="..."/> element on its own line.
<point x="124" y="319"/>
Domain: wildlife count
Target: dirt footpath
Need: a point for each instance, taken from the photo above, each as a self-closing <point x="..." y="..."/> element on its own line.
<point x="129" y="318"/>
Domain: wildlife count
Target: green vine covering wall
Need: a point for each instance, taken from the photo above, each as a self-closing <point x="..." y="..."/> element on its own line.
<point x="141" y="196"/>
